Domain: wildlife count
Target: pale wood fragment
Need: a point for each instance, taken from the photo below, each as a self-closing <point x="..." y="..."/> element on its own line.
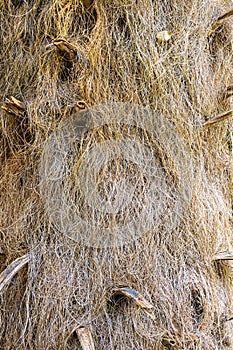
<point x="163" y="36"/>
<point x="85" y="338"/>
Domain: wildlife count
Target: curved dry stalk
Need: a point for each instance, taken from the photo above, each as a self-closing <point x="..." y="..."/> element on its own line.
<point x="85" y="338"/>
<point x="223" y="256"/>
<point x="14" y="106"/>
<point x="219" y="118"/>
<point x="229" y="319"/>
<point x="137" y="298"/>
<point x="12" y="269"/>
<point x="220" y="20"/>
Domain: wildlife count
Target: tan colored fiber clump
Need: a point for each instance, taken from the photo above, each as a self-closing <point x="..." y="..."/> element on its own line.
<point x="116" y="174"/>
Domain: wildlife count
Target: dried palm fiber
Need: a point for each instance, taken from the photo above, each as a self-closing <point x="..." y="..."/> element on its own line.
<point x="105" y="54"/>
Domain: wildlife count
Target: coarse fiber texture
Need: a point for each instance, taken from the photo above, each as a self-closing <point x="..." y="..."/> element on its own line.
<point x="111" y="175"/>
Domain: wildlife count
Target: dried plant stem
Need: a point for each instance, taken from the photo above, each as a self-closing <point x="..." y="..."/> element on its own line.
<point x="219" y="118"/>
<point x="220" y="20"/>
<point x="13" y="106"/>
<point x="12" y="269"/>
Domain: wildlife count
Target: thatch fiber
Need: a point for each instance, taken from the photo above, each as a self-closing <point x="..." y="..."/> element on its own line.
<point x="116" y="174"/>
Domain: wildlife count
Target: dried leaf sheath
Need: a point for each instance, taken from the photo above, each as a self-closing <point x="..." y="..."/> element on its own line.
<point x="85" y="338"/>
<point x="117" y="58"/>
<point x="12" y="269"/>
<point x="134" y="295"/>
<point x="223" y="256"/>
<point x="220" y="20"/>
<point x="219" y="118"/>
<point x="14" y="107"/>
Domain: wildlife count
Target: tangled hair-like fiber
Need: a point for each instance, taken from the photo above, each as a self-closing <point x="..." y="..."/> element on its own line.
<point x="174" y="176"/>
